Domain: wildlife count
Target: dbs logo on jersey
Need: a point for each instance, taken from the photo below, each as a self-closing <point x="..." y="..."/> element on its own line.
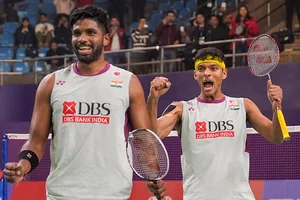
<point x="212" y="129"/>
<point x="85" y="112"/>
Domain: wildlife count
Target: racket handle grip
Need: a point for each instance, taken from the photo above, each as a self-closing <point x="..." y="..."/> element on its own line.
<point x="283" y="126"/>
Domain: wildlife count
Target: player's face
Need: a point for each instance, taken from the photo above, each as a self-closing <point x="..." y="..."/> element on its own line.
<point x="88" y="40"/>
<point x="210" y="77"/>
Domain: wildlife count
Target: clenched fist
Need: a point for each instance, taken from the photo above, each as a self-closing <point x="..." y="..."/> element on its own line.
<point x="159" y="86"/>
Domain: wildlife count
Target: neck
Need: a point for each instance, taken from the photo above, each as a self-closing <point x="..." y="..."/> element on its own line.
<point x="93" y="68"/>
<point x="217" y="96"/>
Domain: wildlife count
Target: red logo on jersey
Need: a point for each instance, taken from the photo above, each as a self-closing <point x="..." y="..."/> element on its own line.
<point x="214" y="129"/>
<point x="69" y="108"/>
<point x="200" y="127"/>
<point x="117" y="73"/>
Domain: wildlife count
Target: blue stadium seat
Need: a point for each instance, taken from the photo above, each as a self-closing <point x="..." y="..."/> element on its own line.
<point x="152" y="1"/>
<point x="4" y="67"/>
<point x="184" y="15"/>
<point x="10" y="27"/>
<point x="165" y="6"/>
<point x="21" y="67"/>
<point x="21" y="53"/>
<point x="6" y="53"/>
<point x="133" y="26"/>
<point x="43" y="51"/>
<point x="157" y="16"/>
<point x="178" y="5"/>
<point x="191" y="5"/>
<point x="39" y="66"/>
<point x="49" y="9"/>
<point x="7" y="40"/>
<point x="33" y="1"/>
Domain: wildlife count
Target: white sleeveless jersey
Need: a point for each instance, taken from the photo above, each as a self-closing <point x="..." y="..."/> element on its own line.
<point x="88" y="152"/>
<point x="215" y="164"/>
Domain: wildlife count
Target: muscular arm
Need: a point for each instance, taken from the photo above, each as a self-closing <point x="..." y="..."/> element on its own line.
<point x="267" y="128"/>
<point x="138" y="115"/>
<point x="164" y="125"/>
<point x="40" y="122"/>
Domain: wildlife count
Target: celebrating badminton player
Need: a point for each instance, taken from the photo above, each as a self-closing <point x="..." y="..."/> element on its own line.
<point x="86" y="104"/>
<point x="212" y="127"/>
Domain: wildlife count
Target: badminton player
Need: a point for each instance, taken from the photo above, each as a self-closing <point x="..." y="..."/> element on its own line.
<point x="212" y="127"/>
<point x="87" y="105"/>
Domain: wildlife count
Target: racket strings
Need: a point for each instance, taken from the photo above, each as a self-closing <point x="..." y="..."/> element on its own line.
<point x="148" y="158"/>
<point x="263" y="56"/>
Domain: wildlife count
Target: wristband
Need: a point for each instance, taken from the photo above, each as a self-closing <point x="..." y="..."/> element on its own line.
<point x="31" y="157"/>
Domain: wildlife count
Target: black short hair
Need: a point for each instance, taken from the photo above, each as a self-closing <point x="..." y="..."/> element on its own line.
<point x="210" y="51"/>
<point x="92" y="12"/>
<point x="170" y="11"/>
<point x="43" y="14"/>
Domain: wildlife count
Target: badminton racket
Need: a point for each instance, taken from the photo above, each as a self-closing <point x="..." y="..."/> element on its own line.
<point x="263" y="57"/>
<point x="147" y="155"/>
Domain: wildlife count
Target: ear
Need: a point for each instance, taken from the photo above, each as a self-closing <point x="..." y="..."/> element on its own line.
<point x="195" y="75"/>
<point x="106" y="39"/>
<point x="224" y="74"/>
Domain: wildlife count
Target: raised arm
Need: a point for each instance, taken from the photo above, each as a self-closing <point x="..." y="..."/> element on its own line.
<point x="164" y="125"/>
<point x="269" y="129"/>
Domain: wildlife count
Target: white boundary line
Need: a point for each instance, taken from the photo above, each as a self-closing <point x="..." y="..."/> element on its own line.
<point x="24" y="136"/>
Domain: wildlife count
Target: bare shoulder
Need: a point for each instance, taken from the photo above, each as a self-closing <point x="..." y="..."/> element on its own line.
<point x="135" y="88"/>
<point x="249" y="105"/>
<point x="47" y="84"/>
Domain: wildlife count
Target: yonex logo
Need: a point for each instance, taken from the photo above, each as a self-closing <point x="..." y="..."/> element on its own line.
<point x="60" y="82"/>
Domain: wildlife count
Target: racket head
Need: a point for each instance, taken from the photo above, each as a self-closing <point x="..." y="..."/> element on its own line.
<point x="147" y="155"/>
<point x="263" y="55"/>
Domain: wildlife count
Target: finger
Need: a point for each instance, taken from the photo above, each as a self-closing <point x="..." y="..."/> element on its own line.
<point x="163" y="194"/>
<point x="269" y="83"/>
<point x="11" y="166"/>
<point x="20" y="170"/>
<point x="9" y="172"/>
<point x="10" y="179"/>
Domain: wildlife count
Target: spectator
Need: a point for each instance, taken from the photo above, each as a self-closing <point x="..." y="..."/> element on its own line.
<point x="141" y="38"/>
<point x="11" y="13"/>
<point x="54" y="50"/>
<point x="117" y="8"/>
<point x="118" y="40"/>
<point x="217" y="31"/>
<point x="291" y="6"/>
<point x="199" y="29"/>
<point x="44" y="31"/>
<point x="81" y="3"/>
<point x="62" y="32"/>
<point x="168" y="33"/>
<point x="243" y="26"/>
<point x="24" y="35"/>
<point x="63" y="7"/>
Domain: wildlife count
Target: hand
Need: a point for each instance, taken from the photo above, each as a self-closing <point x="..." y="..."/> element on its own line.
<point x="274" y="94"/>
<point x="195" y="23"/>
<point x="158" y="189"/>
<point x="14" y="172"/>
<point x="159" y="86"/>
<point x="165" y="21"/>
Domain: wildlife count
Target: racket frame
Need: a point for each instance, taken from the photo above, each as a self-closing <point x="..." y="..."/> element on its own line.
<point x="161" y="143"/>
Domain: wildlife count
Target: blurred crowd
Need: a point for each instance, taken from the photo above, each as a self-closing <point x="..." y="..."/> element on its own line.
<point x="202" y="27"/>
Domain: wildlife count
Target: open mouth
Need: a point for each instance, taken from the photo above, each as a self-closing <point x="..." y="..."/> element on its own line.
<point x="208" y="84"/>
<point x="84" y="49"/>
